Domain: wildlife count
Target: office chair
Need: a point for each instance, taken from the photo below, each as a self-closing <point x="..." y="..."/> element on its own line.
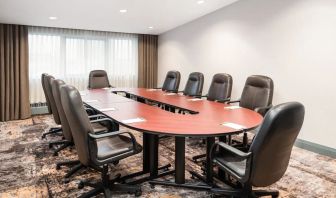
<point x="257" y="95"/>
<point x="194" y="85"/>
<point x="267" y="159"/>
<point x="97" y="150"/>
<point x="172" y="81"/>
<point x="98" y="79"/>
<point x="52" y="130"/>
<point x="219" y="91"/>
<point x="97" y="121"/>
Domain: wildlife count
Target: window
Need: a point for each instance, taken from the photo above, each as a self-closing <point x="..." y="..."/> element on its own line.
<point x="71" y="54"/>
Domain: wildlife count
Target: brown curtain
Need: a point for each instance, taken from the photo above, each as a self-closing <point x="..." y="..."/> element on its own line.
<point x="14" y="87"/>
<point x="148" y="61"/>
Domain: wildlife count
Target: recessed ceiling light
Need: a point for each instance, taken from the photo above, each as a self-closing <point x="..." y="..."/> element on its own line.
<point x="200" y="2"/>
<point x="123" y="11"/>
<point x="53" y="18"/>
<point x="150" y="27"/>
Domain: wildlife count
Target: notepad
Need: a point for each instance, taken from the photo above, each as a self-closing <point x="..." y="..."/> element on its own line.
<point x="195" y="99"/>
<point x="90" y="101"/>
<point x="169" y="94"/>
<point x="232" y="107"/>
<point x="153" y="89"/>
<point x="233" y="125"/>
<point x="133" y="120"/>
<point x="108" y="109"/>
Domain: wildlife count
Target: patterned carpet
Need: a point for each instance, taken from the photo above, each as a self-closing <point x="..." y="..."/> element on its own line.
<point x="27" y="167"/>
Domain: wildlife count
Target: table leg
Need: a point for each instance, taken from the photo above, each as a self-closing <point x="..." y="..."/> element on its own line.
<point x="153" y="155"/>
<point x="208" y="165"/>
<point x="180" y="160"/>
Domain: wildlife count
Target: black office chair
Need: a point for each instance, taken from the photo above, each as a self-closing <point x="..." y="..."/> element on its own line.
<point x="219" y="91"/>
<point x="97" y="121"/>
<point x="172" y="81"/>
<point x="257" y="95"/>
<point x="97" y="150"/>
<point x="47" y="95"/>
<point x="194" y="85"/>
<point x="98" y="79"/>
<point x="267" y="159"/>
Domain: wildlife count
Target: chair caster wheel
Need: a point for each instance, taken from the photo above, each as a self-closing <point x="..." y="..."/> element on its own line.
<point x="50" y="146"/>
<point x="58" y="167"/>
<point x="115" y="162"/>
<point x="152" y="186"/>
<point x="66" y="180"/>
<point x="43" y="136"/>
<point x="80" y="185"/>
<point x="138" y="193"/>
<point x="55" y="154"/>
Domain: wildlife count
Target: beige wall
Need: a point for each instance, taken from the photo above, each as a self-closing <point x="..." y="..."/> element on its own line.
<point x="292" y="41"/>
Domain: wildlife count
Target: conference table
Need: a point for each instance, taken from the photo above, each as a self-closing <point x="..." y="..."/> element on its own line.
<point x="155" y="112"/>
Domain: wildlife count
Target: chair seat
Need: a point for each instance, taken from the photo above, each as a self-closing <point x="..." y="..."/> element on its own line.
<point x="113" y="146"/>
<point x="97" y="127"/>
<point x="231" y="162"/>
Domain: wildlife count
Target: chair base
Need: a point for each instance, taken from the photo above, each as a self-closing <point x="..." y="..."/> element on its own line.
<point x="64" y="144"/>
<point x="75" y="167"/>
<point x="244" y="192"/>
<point x="197" y="157"/>
<point x="107" y="186"/>
<point x="55" y="130"/>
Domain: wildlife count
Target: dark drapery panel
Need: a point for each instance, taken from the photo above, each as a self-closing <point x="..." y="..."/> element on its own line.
<point x="148" y="61"/>
<point x="14" y="87"/>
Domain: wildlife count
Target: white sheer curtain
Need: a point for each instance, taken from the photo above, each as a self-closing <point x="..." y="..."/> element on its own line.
<point x="71" y="54"/>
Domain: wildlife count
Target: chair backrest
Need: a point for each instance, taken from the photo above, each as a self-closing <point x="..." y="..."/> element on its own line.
<point x="220" y="87"/>
<point x="47" y="81"/>
<point x="172" y="81"/>
<point x="273" y="143"/>
<point x="194" y="86"/>
<point x="78" y="120"/>
<point x="44" y="91"/>
<point x="56" y="86"/>
<point x="98" y="79"/>
<point x="257" y="92"/>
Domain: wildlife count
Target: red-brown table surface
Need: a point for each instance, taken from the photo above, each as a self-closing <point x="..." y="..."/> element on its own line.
<point x="207" y="122"/>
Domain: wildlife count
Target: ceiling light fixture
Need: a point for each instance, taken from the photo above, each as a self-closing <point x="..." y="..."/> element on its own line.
<point x="200" y="2"/>
<point x="150" y="27"/>
<point x="52" y="18"/>
<point x="123" y="11"/>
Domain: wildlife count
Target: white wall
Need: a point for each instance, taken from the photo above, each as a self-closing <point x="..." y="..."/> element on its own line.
<point x="291" y="41"/>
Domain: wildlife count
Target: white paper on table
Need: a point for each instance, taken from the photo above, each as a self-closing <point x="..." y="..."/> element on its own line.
<point x="169" y="94"/>
<point x="153" y="89"/>
<point x="108" y="109"/>
<point x="133" y="120"/>
<point x="195" y="99"/>
<point x="82" y="93"/>
<point x="232" y="107"/>
<point x="106" y="88"/>
<point x="90" y="101"/>
<point x="233" y="125"/>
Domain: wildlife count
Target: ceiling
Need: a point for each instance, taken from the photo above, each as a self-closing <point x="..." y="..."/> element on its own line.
<point x="105" y="15"/>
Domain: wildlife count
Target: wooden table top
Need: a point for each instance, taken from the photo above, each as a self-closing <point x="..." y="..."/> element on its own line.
<point x="207" y="122"/>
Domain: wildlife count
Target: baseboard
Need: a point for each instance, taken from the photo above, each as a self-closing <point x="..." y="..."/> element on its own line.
<point x="316" y="148"/>
<point x="39" y="110"/>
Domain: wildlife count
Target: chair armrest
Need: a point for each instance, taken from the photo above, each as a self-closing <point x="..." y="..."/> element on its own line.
<point x="263" y="110"/>
<point x="230" y="149"/>
<point x="224" y="100"/>
<point x="97" y="116"/>
<point x="89" y="110"/>
<point x="101" y="120"/>
<point x="115" y="133"/>
<point x="233" y="101"/>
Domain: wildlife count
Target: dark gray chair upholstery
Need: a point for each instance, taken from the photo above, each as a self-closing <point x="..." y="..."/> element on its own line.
<point x="97" y="150"/>
<point x="172" y="81"/>
<point x="257" y="94"/>
<point x="44" y="91"/>
<point x="194" y="85"/>
<point x="98" y="79"/>
<point x="220" y="88"/>
<point x="267" y="159"/>
<point x="44" y="81"/>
